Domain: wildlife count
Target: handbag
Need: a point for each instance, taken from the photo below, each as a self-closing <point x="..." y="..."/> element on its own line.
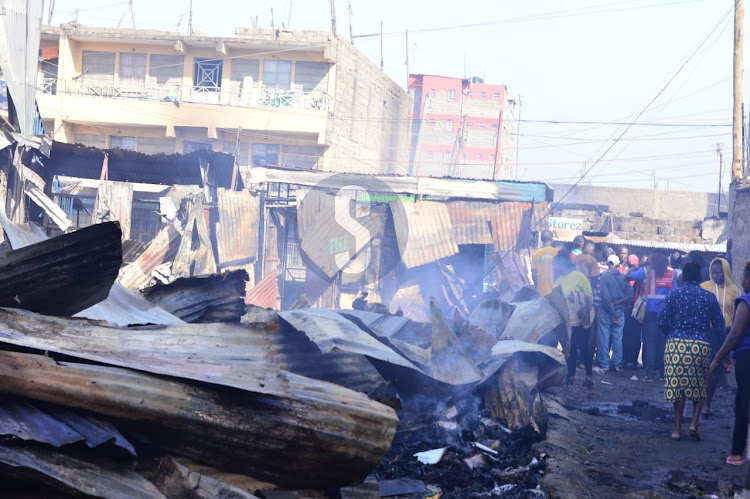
<point x="639" y="307"/>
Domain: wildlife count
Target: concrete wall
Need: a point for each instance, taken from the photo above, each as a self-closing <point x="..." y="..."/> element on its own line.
<point x="368" y="131"/>
<point x="670" y="205"/>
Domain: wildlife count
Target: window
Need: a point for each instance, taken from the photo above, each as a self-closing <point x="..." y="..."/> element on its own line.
<point x="449" y="125"/>
<point x="468" y="94"/>
<point x="468" y="124"/>
<point x="428" y="154"/>
<point x="479" y="157"/>
<point x="431" y="122"/>
<point x="451" y="95"/>
<point x="494" y="126"/>
<point x="132" y="70"/>
<point x="497" y="95"/>
<point x="492" y="157"/>
<point x="311" y="76"/>
<point x="447" y="157"/>
<point x="483" y="95"/>
<point x="265" y="154"/>
<point x="481" y="125"/>
<point x="207" y="75"/>
<point x="432" y="91"/>
<point x="466" y="155"/>
<point x="303" y="157"/>
<point x="191" y="146"/>
<point x="230" y="146"/>
<point x="145" y="221"/>
<point x="277" y="74"/>
<point x="120" y="142"/>
<point x="97" y="69"/>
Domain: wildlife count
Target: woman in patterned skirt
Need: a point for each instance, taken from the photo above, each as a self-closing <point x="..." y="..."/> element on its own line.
<point x="689" y="317"/>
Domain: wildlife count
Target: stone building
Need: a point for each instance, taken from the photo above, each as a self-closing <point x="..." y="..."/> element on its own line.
<point x="302" y="99"/>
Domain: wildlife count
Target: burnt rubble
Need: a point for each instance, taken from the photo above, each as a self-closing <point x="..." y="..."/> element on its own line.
<point x="177" y="376"/>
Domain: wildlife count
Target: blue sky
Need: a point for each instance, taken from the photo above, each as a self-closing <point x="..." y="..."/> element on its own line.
<point x="575" y="61"/>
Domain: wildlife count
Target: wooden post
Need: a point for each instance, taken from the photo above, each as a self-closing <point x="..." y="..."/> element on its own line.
<point x="737" y="163"/>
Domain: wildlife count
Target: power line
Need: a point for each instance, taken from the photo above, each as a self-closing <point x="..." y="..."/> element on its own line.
<point x="630" y="125"/>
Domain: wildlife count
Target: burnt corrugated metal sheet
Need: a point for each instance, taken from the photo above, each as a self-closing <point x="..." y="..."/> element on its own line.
<point x="265" y="294"/>
<point x="131" y="250"/>
<point x="70" y="475"/>
<point x="381" y="324"/>
<point x="237" y="231"/>
<point x="77" y="160"/>
<point x="293" y="351"/>
<point x="162" y="248"/>
<point x="311" y="434"/>
<point x="56" y="427"/>
<point x="125" y="308"/>
<point x="329" y="330"/>
<point x="471" y="221"/>
<point x="329" y="229"/>
<point x="424" y="232"/>
<point x="511" y="225"/>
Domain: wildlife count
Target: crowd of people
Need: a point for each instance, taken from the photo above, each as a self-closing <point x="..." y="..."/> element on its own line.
<point x="688" y="323"/>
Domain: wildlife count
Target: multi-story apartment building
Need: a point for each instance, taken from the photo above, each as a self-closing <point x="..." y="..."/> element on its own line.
<point x="461" y="128"/>
<point x="297" y="99"/>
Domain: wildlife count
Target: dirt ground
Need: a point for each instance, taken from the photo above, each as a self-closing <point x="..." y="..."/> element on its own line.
<point x="614" y="441"/>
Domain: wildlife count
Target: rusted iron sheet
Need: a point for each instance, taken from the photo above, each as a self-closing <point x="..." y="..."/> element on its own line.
<point x="237" y="231"/>
<point x="531" y="320"/>
<point x="265" y="294"/>
<point x="471" y="221"/>
<point x="216" y="298"/>
<point x="56" y="427"/>
<point x="62" y="275"/>
<point x="163" y="248"/>
<point x="336" y="240"/>
<point x="423" y="231"/>
<point x="195" y="256"/>
<point x="310" y="203"/>
<point x="450" y="361"/>
<point x="70" y="475"/>
<point x="329" y="330"/>
<point x="125" y="308"/>
<point x="509" y="224"/>
<point x="315" y="435"/>
<point x="131" y="250"/>
<point x="114" y="201"/>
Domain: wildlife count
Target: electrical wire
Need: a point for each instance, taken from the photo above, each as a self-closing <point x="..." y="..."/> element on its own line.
<point x="630" y="125"/>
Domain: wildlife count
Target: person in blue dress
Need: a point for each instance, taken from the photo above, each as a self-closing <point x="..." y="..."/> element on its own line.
<point x="689" y="318"/>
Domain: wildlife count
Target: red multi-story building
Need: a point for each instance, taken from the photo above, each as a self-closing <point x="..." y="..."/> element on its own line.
<point x="461" y="128"/>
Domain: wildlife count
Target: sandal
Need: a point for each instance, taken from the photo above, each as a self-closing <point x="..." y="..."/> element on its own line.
<point x="735" y="462"/>
<point x="588" y="384"/>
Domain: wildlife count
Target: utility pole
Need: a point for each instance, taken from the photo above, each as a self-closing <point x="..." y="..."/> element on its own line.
<point x="407" y="60"/>
<point x="289" y="18"/>
<point x="351" y="31"/>
<point x="51" y="10"/>
<point x="190" y="20"/>
<point x="738" y="233"/>
<point x="739" y="17"/>
<point x="333" y="17"/>
<point x="381" y="45"/>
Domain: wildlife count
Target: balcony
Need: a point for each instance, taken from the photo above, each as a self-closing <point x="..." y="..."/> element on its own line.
<point x="253" y="97"/>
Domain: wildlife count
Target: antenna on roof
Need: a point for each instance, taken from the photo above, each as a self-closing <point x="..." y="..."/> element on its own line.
<point x="179" y="22"/>
<point x="272" y="25"/>
<point x="351" y="32"/>
<point x="333" y="17"/>
<point x="289" y="18"/>
<point x="51" y="10"/>
<point x="190" y="20"/>
<point x="254" y="22"/>
<point x="132" y="17"/>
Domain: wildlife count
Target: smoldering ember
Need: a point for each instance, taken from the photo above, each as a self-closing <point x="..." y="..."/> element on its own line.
<point x="254" y="266"/>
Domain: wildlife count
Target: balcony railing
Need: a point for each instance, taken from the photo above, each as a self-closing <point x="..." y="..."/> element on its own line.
<point x="256" y="97"/>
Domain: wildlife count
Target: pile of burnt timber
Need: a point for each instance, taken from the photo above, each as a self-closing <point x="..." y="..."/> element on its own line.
<point x="352" y="401"/>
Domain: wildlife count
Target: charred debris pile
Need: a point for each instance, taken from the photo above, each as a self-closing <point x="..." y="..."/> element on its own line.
<point x="154" y="379"/>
